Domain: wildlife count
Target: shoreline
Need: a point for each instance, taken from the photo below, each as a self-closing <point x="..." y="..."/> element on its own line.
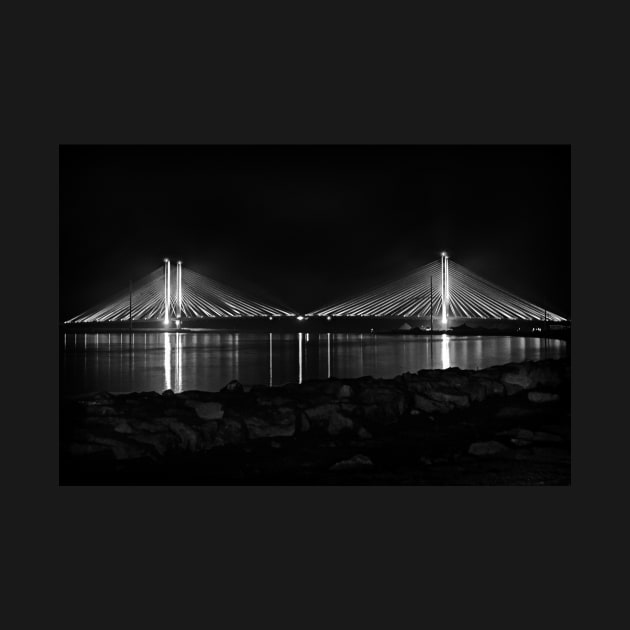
<point x="432" y="427"/>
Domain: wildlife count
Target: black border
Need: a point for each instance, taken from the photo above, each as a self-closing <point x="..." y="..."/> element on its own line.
<point x="467" y="83"/>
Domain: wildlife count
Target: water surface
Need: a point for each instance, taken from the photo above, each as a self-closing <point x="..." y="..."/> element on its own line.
<point x="119" y="362"/>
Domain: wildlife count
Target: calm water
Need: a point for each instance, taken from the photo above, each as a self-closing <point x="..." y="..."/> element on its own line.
<point x="119" y="362"/>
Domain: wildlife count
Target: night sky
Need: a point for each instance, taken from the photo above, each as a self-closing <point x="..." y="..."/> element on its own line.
<point x="302" y="226"/>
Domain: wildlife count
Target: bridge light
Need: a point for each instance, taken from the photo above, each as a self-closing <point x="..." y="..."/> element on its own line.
<point x="300" y="317"/>
<point x="329" y="318"/>
<point x="270" y="318"/>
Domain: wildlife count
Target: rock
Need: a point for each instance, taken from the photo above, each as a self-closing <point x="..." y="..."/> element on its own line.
<point x="188" y="437"/>
<point x="486" y="448"/>
<point x="303" y="425"/>
<point x="234" y="387"/>
<point x="338" y="424"/>
<point x="450" y="396"/>
<point x="492" y="387"/>
<point x="148" y="423"/>
<point x="428" y="405"/>
<point x="206" y="410"/>
<point x="124" y="427"/>
<point x="345" y="391"/>
<point x="516" y="378"/>
<point x="259" y="428"/>
<point x="354" y="463"/>
<point x="150" y="426"/>
<point x="321" y="413"/>
<point x="121" y="449"/>
<point x="542" y="397"/>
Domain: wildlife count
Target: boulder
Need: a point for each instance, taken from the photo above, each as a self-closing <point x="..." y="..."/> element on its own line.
<point x="233" y="387"/>
<point x="339" y="423"/>
<point x="451" y="396"/>
<point x="336" y="389"/>
<point x="516" y="378"/>
<point x="354" y="463"/>
<point x="150" y="426"/>
<point x="491" y="386"/>
<point x="124" y="427"/>
<point x="206" y="410"/>
<point x="320" y="414"/>
<point x="189" y="439"/>
<point x="542" y="397"/>
<point x="259" y="428"/>
<point x="121" y="449"/>
<point x="429" y="405"/>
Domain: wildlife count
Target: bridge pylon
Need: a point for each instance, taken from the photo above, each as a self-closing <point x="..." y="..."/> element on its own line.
<point x="167" y="290"/>
<point x="445" y="289"/>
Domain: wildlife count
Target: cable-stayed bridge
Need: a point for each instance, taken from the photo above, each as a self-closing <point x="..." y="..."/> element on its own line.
<point x="171" y="295"/>
<point x="442" y="289"/>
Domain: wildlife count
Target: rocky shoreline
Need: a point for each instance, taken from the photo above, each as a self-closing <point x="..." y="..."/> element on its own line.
<point x="504" y="424"/>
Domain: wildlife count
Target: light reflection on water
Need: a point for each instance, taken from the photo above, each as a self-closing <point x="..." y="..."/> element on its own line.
<point x="207" y="361"/>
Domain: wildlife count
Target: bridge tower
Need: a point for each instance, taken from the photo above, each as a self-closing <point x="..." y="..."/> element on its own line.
<point x="167" y="290"/>
<point x="179" y="293"/>
<point x="445" y="289"/>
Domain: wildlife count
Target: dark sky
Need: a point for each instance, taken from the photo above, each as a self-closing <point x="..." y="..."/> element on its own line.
<point x="306" y="225"/>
